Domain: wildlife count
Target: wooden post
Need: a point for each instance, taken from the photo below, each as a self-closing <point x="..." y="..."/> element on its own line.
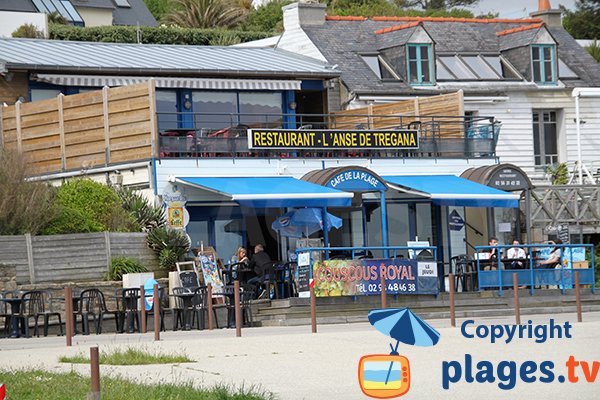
<point x="452" y="310"/>
<point x="61" y="131"/>
<point x="383" y="292"/>
<point x="578" y="297"/>
<point x="156" y="305"/>
<point x="211" y="321"/>
<point x="69" y="315"/>
<point x="106" y="123"/>
<point x="143" y="311"/>
<point x="238" y="308"/>
<point x="313" y="308"/>
<point x="18" y="126"/>
<point x="95" y="373"/>
<point x="517" y="304"/>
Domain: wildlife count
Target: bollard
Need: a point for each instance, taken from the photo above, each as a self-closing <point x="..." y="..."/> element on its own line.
<point x="578" y="297"/>
<point x="69" y="315"/>
<point x="517" y="304"/>
<point x="143" y="305"/>
<point x="383" y="292"/>
<point x="95" y="373"/>
<point x="238" y="308"/>
<point x="156" y="305"/>
<point x="452" y="310"/>
<point x="313" y="308"/>
<point x="211" y="321"/>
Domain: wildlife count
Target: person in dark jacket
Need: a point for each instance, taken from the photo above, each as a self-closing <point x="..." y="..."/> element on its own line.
<point x="259" y="260"/>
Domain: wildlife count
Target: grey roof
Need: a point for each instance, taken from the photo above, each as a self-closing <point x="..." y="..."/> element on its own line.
<point x="137" y="13"/>
<point x="93" y="3"/>
<point x="341" y="42"/>
<point x="518" y="39"/>
<point x="118" y="58"/>
<point x="17" y="5"/>
<point x="395" y="38"/>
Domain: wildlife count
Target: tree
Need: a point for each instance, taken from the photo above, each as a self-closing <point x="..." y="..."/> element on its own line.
<point x="28" y="31"/>
<point x="206" y="14"/>
<point x="158" y="8"/>
<point x="25" y="207"/>
<point x="584" y="22"/>
<point x="435" y="4"/>
<point x="594" y="50"/>
<point x="267" y="18"/>
<point x="369" y="8"/>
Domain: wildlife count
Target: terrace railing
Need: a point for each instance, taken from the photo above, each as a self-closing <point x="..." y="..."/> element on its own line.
<point x="225" y="135"/>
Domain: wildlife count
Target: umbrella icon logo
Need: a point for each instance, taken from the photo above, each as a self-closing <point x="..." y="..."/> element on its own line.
<point x="384" y="376"/>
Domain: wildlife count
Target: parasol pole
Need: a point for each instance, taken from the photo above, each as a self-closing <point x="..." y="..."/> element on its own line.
<point x="393" y="353"/>
<point x="325" y="231"/>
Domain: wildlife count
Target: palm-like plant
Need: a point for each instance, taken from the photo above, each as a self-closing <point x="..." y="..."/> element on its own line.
<point x="147" y="215"/>
<point x="594" y="50"/>
<point x="207" y="13"/>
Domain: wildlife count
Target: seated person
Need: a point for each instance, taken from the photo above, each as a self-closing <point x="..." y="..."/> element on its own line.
<point x="241" y="256"/>
<point x="492" y="252"/>
<point x="259" y="261"/>
<point x="516" y="255"/>
<point x="554" y="259"/>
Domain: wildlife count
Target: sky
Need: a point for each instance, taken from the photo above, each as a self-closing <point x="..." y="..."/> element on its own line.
<point x="516" y="8"/>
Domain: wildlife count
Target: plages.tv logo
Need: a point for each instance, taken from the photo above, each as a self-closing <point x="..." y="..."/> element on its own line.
<point x="384" y="376"/>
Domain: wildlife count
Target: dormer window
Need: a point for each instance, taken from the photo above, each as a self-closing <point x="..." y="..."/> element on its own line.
<point x="543" y="64"/>
<point x="419" y="65"/>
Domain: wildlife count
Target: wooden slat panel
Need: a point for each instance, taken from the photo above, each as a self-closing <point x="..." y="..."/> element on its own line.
<point x="86" y="161"/>
<point x="134" y="128"/>
<point x="40" y="132"/>
<point x="92" y="135"/>
<point x="130" y="142"/>
<point x="126" y="92"/>
<point x="78" y="125"/>
<point x="40" y="119"/>
<point x="44" y="167"/>
<point x="129" y="117"/>
<point x="83" y="112"/>
<point x="43" y="155"/>
<point x="135" y="103"/>
<point x="82" y="99"/>
<point x="38" y="107"/>
<point x="85" y="148"/>
<point x="142" y="153"/>
<point x="41" y="144"/>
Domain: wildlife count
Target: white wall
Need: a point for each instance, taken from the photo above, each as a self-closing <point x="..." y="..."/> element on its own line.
<point x="96" y="16"/>
<point x="11" y="20"/>
<point x="515" y="143"/>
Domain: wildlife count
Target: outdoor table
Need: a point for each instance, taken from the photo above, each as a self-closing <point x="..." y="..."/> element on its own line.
<point x="15" y="311"/>
<point x="236" y="274"/>
<point x="188" y="302"/>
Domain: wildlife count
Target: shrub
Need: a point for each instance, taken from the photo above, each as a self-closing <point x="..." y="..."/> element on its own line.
<point x="559" y="173"/>
<point x="148" y="216"/>
<point x="150" y="34"/>
<point x="25" y="207"/>
<point x="86" y="206"/>
<point x="28" y="31"/>
<point x="123" y="265"/>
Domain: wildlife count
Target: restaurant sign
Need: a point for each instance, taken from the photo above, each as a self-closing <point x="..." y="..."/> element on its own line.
<point x="363" y="277"/>
<point x="332" y="139"/>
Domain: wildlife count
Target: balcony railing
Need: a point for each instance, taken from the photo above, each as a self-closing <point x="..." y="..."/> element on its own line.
<point x="225" y="135"/>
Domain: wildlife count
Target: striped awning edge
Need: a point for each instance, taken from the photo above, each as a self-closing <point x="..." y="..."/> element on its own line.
<point x="166" y="82"/>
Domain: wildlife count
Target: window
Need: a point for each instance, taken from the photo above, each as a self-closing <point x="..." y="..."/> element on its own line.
<point x="259" y="107"/>
<point x="542" y="58"/>
<point x="63" y="7"/>
<point x="215" y="110"/>
<point x="458" y="68"/>
<point x="166" y="109"/>
<point x="373" y="63"/>
<point x="122" y="3"/>
<point x="379" y="67"/>
<point x="44" y="94"/>
<point x="419" y="64"/>
<point x="545" y="137"/>
<point x="480" y="67"/>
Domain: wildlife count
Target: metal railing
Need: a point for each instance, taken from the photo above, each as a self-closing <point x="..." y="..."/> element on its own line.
<point x="494" y="274"/>
<point x="183" y="135"/>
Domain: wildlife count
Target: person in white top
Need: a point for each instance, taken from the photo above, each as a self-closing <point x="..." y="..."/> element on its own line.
<point x="516" y="254"/>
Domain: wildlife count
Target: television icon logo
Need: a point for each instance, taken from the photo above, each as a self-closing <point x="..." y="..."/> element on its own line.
<point x="384" y="376"/>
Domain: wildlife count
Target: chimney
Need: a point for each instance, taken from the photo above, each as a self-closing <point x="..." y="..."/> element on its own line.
<point x="551" y="17"/>
<point x="300" y="14"/>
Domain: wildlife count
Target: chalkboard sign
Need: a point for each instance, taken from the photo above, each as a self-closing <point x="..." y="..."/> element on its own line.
<point x="303" y="272"/>
<point x="189" y="279"/>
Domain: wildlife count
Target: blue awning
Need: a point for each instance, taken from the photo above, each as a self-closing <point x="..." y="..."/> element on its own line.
<point x="270" y="192"/>
<point x="450" y="190"/>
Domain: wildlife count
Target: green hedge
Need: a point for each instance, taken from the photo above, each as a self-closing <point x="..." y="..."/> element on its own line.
<point x="153" y="35"/>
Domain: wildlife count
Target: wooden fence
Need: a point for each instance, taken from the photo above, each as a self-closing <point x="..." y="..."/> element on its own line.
<point x="402" y="113"/>
<point x="72" y="257"/>
<point x="84" y="130"/>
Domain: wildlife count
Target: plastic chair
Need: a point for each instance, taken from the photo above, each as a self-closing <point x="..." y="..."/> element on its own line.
<point x="131" y="312"/>
<point x="38" y="303"/>
<point x="92" y="304"/>
<point x="283" y="279"/>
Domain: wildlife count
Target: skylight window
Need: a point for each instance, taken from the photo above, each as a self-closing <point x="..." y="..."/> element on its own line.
<point x="458" y="68"/>
<point x="442" y="71"/>
<point x="564" y="71"/>
<point x="480" y="67"/>
<point x="379" y="67"/>
<point x="502" y="67"/>
<point x="122" y="3"/>
<point x="63" y="7"/>
<point x="373" y="63"/>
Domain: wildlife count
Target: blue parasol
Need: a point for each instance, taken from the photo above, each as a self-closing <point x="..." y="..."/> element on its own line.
<point x="404" y="326"/>
<point x="304" y="221"/>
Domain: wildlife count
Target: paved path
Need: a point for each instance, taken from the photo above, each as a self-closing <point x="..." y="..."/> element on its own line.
<point x="296" y="364"/>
